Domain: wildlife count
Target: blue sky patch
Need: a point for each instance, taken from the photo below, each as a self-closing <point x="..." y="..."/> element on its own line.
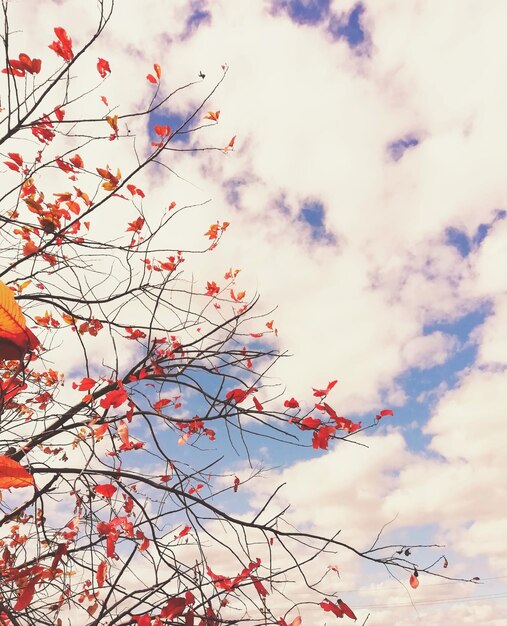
<point x="348" y="26"/>
<point x="458" y="239"/>
<point x="397" y="149"/>
<point x="305" y="11"/>
<point x="465" y="244"/>
<point x="174" y="120"/>
<point x="421" y="385"/>
<point x="198" y="17"/>
<point x="313" y="214"/>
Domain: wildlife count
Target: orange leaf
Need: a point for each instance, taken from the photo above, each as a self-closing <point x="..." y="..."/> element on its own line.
<point x="230" y="144"/>
<point x="15" y="338"/>
<point x="30" y="248"/>
<point x="213" y="116"/>
<point x="12" y="474"/>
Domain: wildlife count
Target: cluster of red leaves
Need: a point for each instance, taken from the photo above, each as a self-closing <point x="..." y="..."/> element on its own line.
<point x="135" y="334"/>
<point x="324" y="430"/>
<point x="163" y="402"/>
<point x="135" y="191"/>
<point x="339" y="608"/>
<point x="17" y="160"/>
<point x="112" y="529"/>
<point x="212" y="289"/>
<point x="173" y="609"/>
<point x="196" y="427"/>
<point x="229" y="584"/>
<point x="114" y="398"/>
<point x="25" y="578"/>
<point x="127" y="443"/>
<point x="63" y="45"/>
<point x="216" y="229"/>
<point x="22" y="65"/>
<point x="136" y="226"/>
<point x="9" y="389"/>
<point x="92" y="326"/>
<point x="169" y="265"/>
<point x="158" y="73"/>
<point x="112" y="181"/>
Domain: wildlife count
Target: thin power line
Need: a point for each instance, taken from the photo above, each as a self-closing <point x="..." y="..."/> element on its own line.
<point x="450" y="582"/>
<point x="496" y="596"/>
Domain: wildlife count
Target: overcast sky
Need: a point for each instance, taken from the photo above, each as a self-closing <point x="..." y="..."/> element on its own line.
<point x="367" y="198"/>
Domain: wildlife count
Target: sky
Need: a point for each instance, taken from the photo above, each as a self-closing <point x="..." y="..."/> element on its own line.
<point x="367" y="200"/>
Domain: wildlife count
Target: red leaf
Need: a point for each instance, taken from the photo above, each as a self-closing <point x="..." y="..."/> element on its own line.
<point x="230" y="144"/>
<point x="86" y="384"/>
<point x="77" y="161"/>
<point x="319" y="393"/>
<point x="321" y="437"/>
<point x="346" y="609"/>
<point x="101" y="573"/>
<point x="174" y="608"/>
<point x="261" y="590"/>
<point x="65" y="167"/>
<point x="9" y="389"/>
<point x="114" y="398"/>
<point x="310" y="423"/>
<point x="183" y="532"/>
<point x="160" y="404"/>
<point x="59" y="112"/>
<point x="136" y="225"/>
<point x="63" y="46"/>
<point x="25" y="597"/>
<point x="291" y="404"/>
<point x="236" y="484"/>
<point x="239" y="395"/>
<point x="107" y="490"/>
<point x="16" y="158"/>
<point x="162" y="131"/>
<point x="103" y="67"/>
<point x="12" y="474"/>
<point x="258" y="405"/>
<point x="12" y="166"/>
<point x="331" y="607"/>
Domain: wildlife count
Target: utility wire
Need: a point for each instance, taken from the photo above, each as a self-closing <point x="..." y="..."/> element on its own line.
<point x="496" y="596"/>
